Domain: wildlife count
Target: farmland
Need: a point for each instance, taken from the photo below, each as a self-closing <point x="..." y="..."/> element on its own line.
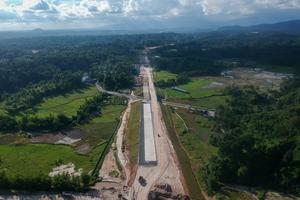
<point x="20" y="157"/>
<point x="31" y="160"/>
<point x="66" y="104"/>
<point x="101" y="128"/>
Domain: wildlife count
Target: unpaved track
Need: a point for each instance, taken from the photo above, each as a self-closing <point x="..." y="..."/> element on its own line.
<point x="166" y="170"/>
<point x="119" y="142"/>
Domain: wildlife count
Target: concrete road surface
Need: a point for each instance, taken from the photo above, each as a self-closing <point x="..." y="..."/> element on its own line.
<point x="166" y="170"/>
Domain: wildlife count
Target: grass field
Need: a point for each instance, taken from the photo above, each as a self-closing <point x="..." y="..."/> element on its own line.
<point x="211" y="102"/>
<point x="164" y="75"/>
<point x="171" y="122"/>
<point x="18" y="157"/>
<point x="101" y="128"/>
<point x="67" y="104"/>
<point x="132" y="132"/>
<point x="32" y="159"/>
<point x="200" y="94"/>
<point x="196" y="89"/>
<point x="196" y="139"/>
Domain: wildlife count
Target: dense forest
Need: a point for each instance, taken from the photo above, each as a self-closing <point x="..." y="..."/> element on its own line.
<point x="211" y="53"/>
<point x="32" y="69"/>
<point x="258" y="139"/>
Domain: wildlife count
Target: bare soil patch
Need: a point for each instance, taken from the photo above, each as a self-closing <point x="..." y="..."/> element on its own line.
<point x="65" y="169"/>
<point x="47" y="138"/>
<point x="83" y="149"/>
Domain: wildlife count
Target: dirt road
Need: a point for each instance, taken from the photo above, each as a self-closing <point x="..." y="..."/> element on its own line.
<point x="166" y="170"/>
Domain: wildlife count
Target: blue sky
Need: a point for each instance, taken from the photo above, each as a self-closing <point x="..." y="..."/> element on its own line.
<point x="142" y="14"/>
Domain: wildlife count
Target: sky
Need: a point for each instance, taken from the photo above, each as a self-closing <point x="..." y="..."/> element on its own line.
<point x="142" y="14"/>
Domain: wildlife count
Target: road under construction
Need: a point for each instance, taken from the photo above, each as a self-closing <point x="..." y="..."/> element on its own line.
<point x="160" y="166"/>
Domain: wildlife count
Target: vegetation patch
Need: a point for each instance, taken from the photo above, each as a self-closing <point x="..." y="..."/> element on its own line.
<point x="13" y="139"/>
<point x="195" y="88"/>
<point x="210" y="102"/>
<point x="164" y="76"/>
<point x="101" y="128"/>
<point x="67" y="104"/>
<point x="33" y="159"/>
<point x="185" y="163"/>
<point x="133" y="132"/>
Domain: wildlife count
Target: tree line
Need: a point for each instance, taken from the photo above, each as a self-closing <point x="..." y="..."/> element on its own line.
<point x="43" y="182"/>
<point x="180" y="79"/>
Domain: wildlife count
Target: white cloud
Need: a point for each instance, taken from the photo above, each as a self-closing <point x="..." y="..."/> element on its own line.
<point x="281" y="4"/>
<point x="227" y="7"/>
<point x="2" y="4"/>
<point x="157" y="11"/>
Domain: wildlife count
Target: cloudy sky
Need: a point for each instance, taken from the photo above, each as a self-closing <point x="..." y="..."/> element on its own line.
<point x="142" y="14"/>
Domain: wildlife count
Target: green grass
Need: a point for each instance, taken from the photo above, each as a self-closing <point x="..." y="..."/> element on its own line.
<point x="199" y="95"/>
<point x="101" y="128"/>
<point x="185" y="164"/>
<point x="18" y="157"/>
<point x="67" y="104"/>
<point x="196" y="89"/>
<point x="196" y="139"/>
<point x="109" y="114"/>
<point x="192" y="146"/>
<point x="211" y="102"/>
<point x="132" y="133"/>
<point x="32" y="159"/>
<point x="164" y="76"/>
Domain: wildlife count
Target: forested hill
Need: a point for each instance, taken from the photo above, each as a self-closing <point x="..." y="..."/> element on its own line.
<point x="287" y="26"/>
<point x="260" y="141"/>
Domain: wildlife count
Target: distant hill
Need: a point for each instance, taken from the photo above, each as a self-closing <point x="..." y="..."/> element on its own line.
<point x="287" y="26"/>
<point x="37" y="29"/>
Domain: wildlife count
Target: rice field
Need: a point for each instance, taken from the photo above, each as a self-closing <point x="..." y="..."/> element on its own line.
<point x="66" y="104"/>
